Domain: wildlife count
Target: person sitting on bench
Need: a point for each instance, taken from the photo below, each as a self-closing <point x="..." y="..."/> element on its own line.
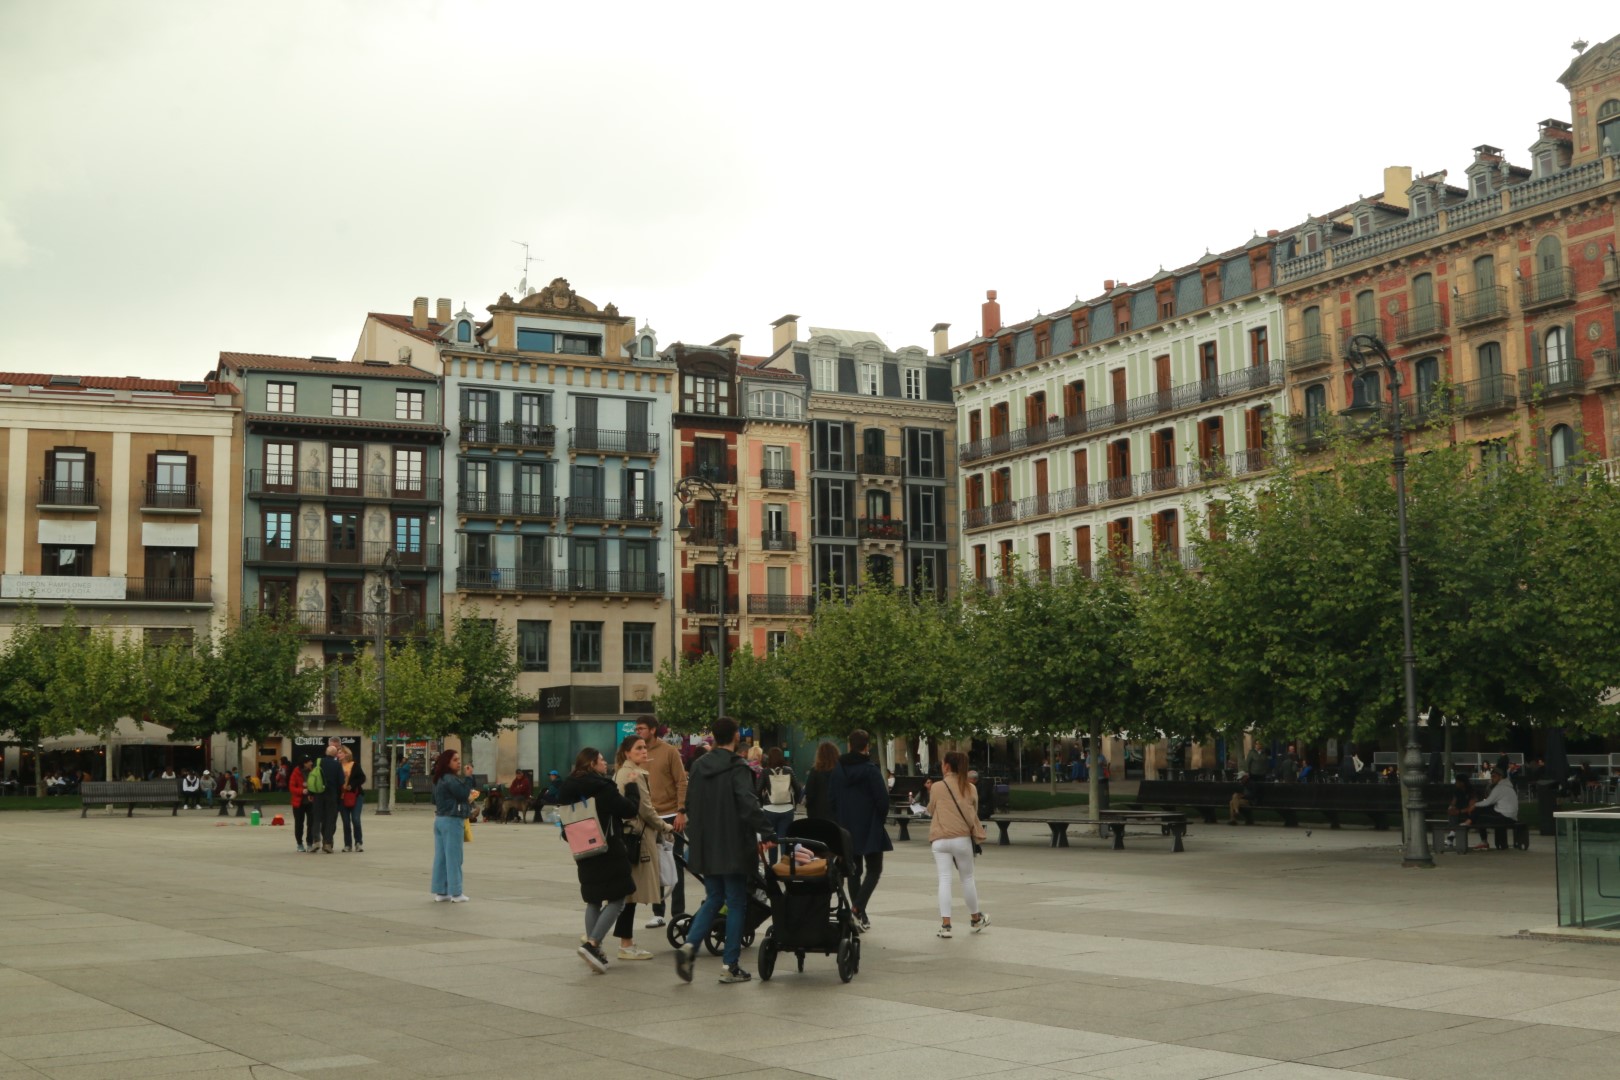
<point x="1499" y="809"/>
<point x="1245" y="798"/>
<point x="1462" y="804"/>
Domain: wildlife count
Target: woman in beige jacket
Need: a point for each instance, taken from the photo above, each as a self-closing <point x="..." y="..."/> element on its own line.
<point x="954" y="830"/>
<point x="648" y="827"/>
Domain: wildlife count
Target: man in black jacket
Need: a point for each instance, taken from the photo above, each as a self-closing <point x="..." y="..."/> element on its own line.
<point x="724" y="823"/>
<point x="861" y="804"/>
<point x="326" y="803"/>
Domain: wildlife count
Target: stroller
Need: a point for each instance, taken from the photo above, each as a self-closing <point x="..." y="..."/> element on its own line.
<point x="759" y="909"/>
<point x="810" y="908"/>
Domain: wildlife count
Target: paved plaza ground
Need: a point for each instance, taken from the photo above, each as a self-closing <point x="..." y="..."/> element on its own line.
<point x="160" y="946"/>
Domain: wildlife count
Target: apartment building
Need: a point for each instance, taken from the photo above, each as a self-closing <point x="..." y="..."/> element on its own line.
<point x="1102" y="427"/>
<point x="341" y="462"/>
<point x="882" y="437"/>
<point x="119" y="501"/>
<point x="774" y="505"/>
<point x="707" y="425"/>
<point x="1497" y="296"/>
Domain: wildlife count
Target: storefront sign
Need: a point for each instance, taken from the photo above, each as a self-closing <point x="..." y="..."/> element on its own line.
<point x="44" y="587"/>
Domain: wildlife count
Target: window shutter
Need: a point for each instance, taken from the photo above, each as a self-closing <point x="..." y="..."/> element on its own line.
<point x="48" y="481"/>
<point x="191" y="469"/>
<point x="89" y="475"/>
<point x="466" y="396"/>
<point x="1535" y="348"/>
<point x="1253" y="435"/>
<point x="151" y="472"/>
<point x="1572" y="366"/>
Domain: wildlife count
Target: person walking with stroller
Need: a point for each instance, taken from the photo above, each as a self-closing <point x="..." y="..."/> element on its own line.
<point x="955" y="832"/>
<point x="724" y="826"/>
<point x="605" y="883"/>
<point x="860" y="804"/>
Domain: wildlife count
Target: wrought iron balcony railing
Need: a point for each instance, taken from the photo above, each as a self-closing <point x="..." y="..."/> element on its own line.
<point x="715" y="472"/>
<point x="711" y="536"/>
<point x="341" y="484"/>
<point x="878" y="465"/>
<point x="508" y="433"/>
<point x="1420" y="323"/>
<point x="506" y="579"/>
<point x="155" y="496"/>
<point x="1494" y="393"/>
<point x="780" y="479"/>
<point x="591" y="508"/>
<point x="882" y="528"/>
<point x="69" y="492"/>
<point x="1309" y="351"/>
<point x="604" y="441"/>
<point x="1557" y="379"/>
<point x="507" y="505"/>
<point x="1550" y="288"/>
<point x="1481" y="306"/>
<point x="702" y="603"/>
<point x="779" y="604"/>
<point x="779" y="540"/>
<point x="326" y="552"/>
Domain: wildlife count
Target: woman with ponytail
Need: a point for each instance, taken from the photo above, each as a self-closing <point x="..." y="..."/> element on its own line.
<point x="956" y="833"/>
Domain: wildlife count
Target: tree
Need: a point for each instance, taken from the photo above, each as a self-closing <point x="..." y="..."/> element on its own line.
<point x="258" y="685"/>
<point x="486" y="655"/>
<point x="173" y="688"/>
<point x="754" y="691"/>
<point x="95" y="681"/>
<point x="26" y="672"/>
<point x="424" y="690"/>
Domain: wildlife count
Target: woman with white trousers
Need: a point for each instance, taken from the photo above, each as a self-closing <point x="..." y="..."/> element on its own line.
<point x="955" y="830"/>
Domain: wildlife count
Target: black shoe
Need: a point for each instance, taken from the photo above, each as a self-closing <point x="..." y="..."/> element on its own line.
<point x="684" y="956"/>
<point x="864" y="923"/>
<point x="734" y="974"/>
<point x="594" y="958"/>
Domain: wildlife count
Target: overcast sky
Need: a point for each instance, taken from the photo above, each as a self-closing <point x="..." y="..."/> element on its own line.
<point x="178" y="177"/>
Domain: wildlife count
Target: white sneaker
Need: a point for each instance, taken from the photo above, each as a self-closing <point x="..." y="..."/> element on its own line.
<point x="634" y="952"/>
<point x="655" y="922"/>
<point x="439" y="898"/>
<point x="979" y="924"/>
<point x="460" y="898"/>
<point x="944" y="930"/>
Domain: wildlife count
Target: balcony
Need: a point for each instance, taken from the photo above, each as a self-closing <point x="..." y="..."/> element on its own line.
<point x="506" y="505"/>
<point x="710" y="536"/>
<point x="878" y="465"/>
<point x="341" y="485"/>
<point x="510" y="433"/>
<point x="503" y="579"/>
<point x="1548" y="289"/>
<point x="322" y="552"/>
<point x="977" y="517"/>
<point x="1482" y="306"/>
<point x="1558" y="379"/>
<point x="777" y="479"/>
<point x="779" y="604"/>
<point x="778" y="540"/>
<point x="1115" y="487"/>
<point x="1360" y="328"/>
<point x="1420" y="323"/>
<point x="882" y="528"/>
<point x="358" y="625"/>
<point x="1311" y="430"/>
<point x="843" y="529"/>
<point x="69" y="494"/>
<point x="1308" y="351"/>
<point x="1365" y="421"/>
<point x="1164" y="478"/>
<point x="715" y="472"/>
<point x="613" y="511"/>
<point x="603" y="441"/>
<point x="1054" y="502"/>
<point x="171" y="498"/>
<point x="1437" y="404"/>
<point x="167" y="590"/>
<point x="701" y="603"/>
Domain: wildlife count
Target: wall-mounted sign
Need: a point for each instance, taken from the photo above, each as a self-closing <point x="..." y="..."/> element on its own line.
<point x="44" y="587"/>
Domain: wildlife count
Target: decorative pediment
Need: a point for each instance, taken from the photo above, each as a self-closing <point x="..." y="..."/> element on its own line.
<point x="1598" y="62"/>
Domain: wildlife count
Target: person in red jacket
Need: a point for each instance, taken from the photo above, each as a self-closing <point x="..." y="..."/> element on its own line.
<point x="303" y="808"/>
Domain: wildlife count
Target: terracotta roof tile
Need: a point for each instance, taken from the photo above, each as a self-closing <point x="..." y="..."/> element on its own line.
<point x="107" y="382"/>
<point x="348" y="369"/>
<point x="753" y="365"/>
<point x="402" y="323"/>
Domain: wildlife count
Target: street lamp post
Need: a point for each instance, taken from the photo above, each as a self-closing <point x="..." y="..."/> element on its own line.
<point x="1364" y="352"/>
<point x="686" y="490"/>
<point x="387" y="584"/>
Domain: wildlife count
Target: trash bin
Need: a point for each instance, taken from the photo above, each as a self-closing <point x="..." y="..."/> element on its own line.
<point x="1547" y="806"/>
<point x="1102" y="793"/>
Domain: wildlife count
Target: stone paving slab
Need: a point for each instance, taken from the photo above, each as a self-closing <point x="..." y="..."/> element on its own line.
<point x="158" y="946"/>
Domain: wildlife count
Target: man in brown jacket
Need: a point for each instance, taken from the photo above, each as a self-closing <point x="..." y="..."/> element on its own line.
<point x="666" y="776"/>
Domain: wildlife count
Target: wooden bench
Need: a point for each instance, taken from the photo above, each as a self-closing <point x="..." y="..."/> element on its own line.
<point x="131" y="792"/>
<point x="1438" y="827"/>
<point x="1170" y="824"/>
<point x="1380" y="803"/>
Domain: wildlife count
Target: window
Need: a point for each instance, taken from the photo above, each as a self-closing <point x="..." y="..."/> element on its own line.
<point x="581" y="345"/>
<point x="409" y="404"/>
<point x="705" y="394"/>
<point x="534" y="415"/>
<point x="1608" y="120"/>
<point x="1561" y="447"/>
<point x="1485" y="273"/>
<point x="463" y="331"/>
<point x="1428" y="379"/>
<point x="1420" y="204"/>
<point x="1493" y="455"/>
<point x="278" y="534"/>
<point x="1366" y="313"/>
<point x="914" y="384"/>
<point x="536" y="341"/>
<point x="1259" y="347"/>
<point x="475" y="486"/>
<point x="169" y="573"/>
<point x="832" y="446"/>
<point x="1555" y="353"/>
<point x="1209" y="365"/>
<point x="1549" y="255"/>
<point x="824" y="373"/>
<point x="646" y="348"/>
<point x="408" y="473"/>
<point x="345" y="401"/>
<point x="585" y="646"/>
<point x="775" y="641"/>
<point x="278" y="465"/>
<point x="69" y="477"/>
<point x="65" y="560"/>
<point x="280" y="397"/>
<point x="638" y="646"/>
<point x="1490" y="367"/>
<point x="408" y="532"/>
<point x="534" y="645"/>
<point x="170" y="480"/>
<point x="871" y="379"/>
<point x="1365" y="390"/>
<point x="346" y="469"/>
<point x="478" y="554"/>
<point x="774" y="405"/>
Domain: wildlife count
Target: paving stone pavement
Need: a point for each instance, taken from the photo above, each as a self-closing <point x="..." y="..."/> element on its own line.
<point x="184" y="946"/>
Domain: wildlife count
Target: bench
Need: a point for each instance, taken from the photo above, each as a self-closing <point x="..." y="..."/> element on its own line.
<point x="1380" y="803"/>
<point x="131" y="792"/>
<point x="903" y="820"/>
<point x="1438" y="827"/>
<point x="1169" y="824"/>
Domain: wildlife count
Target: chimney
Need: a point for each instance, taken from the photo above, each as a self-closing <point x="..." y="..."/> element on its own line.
<point x="942" y="343"/>
<point x="1397" y="178"/>
<point x="444" y="312"/>
<point x="989" y="314"/>
<point x="419" y="319"/>
<point x="730" y="341"/>
<point x="1108" y="285"/>
<point x="784" y="332"/>
<point x="1271" y="234"/>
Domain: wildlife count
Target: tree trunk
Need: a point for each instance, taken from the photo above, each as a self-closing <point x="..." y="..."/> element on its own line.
<point x="1051" y="765"/>
<point x="1094" y="764"/>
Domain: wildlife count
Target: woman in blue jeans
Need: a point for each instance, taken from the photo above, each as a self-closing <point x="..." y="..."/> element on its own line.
<point x="453" y="795"/>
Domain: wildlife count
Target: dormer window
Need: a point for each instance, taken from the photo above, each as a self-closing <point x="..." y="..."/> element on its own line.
<point x="646" y="348"/>
<point x="1420" y="204"/>
<point x="463" y="331"/>
<point x="1363" y="223"/>
<point x="1608" y="121"/>
<point x="1313" y="243"/>
<point x="1479" y="185"/>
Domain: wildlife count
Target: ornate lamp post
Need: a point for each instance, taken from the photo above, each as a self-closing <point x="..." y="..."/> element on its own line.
<point x="387" y="584"/>
<point x="1364" y="352"/>
<point x="688" y="489"/>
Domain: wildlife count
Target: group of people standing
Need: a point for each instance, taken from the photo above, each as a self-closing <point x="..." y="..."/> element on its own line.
<point x="719" y="820"/>
<point x="325" y="791"/>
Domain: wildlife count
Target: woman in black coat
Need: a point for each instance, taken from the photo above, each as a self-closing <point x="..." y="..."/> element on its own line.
<point x="604" y="880"/>
<point x="818" y="785"/>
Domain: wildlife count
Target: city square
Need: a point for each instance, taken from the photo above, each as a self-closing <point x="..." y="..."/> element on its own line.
<point x="195" y="946"/>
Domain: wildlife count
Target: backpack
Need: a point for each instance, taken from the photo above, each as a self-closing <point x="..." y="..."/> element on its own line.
<point x="781" y="782"/>
<point x="316" y="784"/>
<point x="581" y="830"/>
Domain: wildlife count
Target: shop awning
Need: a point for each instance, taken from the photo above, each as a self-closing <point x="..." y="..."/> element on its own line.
<point x="127" y="733"/>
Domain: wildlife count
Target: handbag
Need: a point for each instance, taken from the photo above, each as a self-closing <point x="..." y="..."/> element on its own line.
<point x="977" y="850"/>
<point x="581" y="830"/>
<point x="350" y="797"/>
<point x="466" y="831"/>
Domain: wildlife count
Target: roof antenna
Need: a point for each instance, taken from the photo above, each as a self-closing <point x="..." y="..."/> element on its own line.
<point x="523" y="284"/>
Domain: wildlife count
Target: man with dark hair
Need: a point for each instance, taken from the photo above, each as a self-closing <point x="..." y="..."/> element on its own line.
<point x="724" y="825"/>
<point x="666" y="779"/>
<point x="326" y="801"/>
<point x="861" y="804"/>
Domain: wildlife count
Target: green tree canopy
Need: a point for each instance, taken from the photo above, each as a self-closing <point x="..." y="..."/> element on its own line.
<point x="258" y="685"/>
<point x="754" y="691"/>
<point x="485" y="653"/>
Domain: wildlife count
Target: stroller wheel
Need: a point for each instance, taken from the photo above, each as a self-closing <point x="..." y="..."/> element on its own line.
<point x="675" y="932"/>
<point x="767" y="958"/>
<point x="846" y="958"/>
<point x="748" y="939"/>
<point x="855" y="955"/>
<point x="716" y="940"/>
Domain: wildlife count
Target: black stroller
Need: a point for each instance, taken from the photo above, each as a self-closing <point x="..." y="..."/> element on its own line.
<point x="759" y="909"/>
<point x="810" y="909"/>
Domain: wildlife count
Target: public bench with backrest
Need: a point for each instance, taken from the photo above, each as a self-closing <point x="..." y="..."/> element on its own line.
<point x="1380" y="803"/>
<point x="131" y="793"/>
<point x="1115" y="821"/>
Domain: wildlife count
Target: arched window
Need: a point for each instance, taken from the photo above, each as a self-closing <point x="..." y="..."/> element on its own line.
<point x="1490" y="361"/>
<point x="1608" y="120"/>
<point x="1365" y="390"/>
<point x="1366" y="313"/>
<point x="646" y="348"/>
<point x="1561" y="447"/>
<point x="1549" y="256"/>
<point x="1315" y="400"/>
<point x="1484" y="271"/>
<point x="1556" y="355"/>
<point x="463" y="331"/>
